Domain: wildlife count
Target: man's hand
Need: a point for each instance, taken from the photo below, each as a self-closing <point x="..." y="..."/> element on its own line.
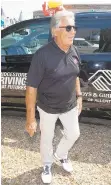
<point x="31" y="128"/>
<point x="79" y="105"/>
<point x="31" y="124"/>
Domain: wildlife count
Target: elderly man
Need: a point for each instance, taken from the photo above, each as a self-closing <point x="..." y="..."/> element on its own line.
<point x="53" y="80"/>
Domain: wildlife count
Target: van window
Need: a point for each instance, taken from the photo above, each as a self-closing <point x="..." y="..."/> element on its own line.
<point x="90" y="40"/>
<point x="25" y="40"/>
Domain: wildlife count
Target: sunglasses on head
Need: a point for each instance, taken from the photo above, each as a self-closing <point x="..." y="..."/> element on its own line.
<point x="68" y="28"/>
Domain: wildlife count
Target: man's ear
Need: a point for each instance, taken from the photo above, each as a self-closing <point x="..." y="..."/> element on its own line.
<point x="54" y="32"/>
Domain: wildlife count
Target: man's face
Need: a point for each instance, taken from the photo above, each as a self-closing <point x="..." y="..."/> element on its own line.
<point x="65" y="34"/>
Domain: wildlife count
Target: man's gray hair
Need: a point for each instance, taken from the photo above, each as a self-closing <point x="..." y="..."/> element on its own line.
<point x="56" y="18"/>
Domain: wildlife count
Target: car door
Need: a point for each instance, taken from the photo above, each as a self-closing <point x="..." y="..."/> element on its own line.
<point x="18" y="44"/>
<point x="83" y="47"/>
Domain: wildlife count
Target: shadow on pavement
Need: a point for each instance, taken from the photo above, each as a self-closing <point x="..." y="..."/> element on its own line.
<point x="33" y="177"/>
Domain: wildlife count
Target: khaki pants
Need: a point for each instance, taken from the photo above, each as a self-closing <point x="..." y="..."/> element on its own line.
<point x="47" y="127"/>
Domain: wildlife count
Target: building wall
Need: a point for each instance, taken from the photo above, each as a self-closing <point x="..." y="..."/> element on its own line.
<point x="37" y="14"/>
<point x="77" y="8"/>
<point x="81" y="7"/>
<point x="84" y="8"/>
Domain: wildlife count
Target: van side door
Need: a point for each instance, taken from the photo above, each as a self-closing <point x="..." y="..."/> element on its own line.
<point x="96" y="66"/>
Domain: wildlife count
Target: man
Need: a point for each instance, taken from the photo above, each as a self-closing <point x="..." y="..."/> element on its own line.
<point x="53" y="80"/>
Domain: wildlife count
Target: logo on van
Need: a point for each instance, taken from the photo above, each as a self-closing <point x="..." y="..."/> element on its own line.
<point x="101" y="80"/>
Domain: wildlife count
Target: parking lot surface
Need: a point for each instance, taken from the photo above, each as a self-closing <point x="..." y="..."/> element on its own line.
<point x="90" y="156"/>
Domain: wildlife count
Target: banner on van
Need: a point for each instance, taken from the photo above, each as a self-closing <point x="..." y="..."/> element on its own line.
<point x="101" y="80"/>
<point x="10" y="80"/>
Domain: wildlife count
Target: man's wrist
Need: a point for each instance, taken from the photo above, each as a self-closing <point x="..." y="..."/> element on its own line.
<point x="30" y="121"/>
<point x="79" y="95"/>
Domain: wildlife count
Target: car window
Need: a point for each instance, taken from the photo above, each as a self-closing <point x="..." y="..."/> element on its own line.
<point x="26" y="40"/>
<point x="96" y="40"/>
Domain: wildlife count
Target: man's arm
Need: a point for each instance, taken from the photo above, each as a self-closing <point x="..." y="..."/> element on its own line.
<point x="31" y="96"/>
<point x="78" y="88"/>
<point x="79" y="95"/>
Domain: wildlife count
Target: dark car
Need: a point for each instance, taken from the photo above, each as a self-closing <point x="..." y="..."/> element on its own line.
<point x="20" y="41"/>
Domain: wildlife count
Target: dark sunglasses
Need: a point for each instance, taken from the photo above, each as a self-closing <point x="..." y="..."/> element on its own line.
<point x="68" y="28"/>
